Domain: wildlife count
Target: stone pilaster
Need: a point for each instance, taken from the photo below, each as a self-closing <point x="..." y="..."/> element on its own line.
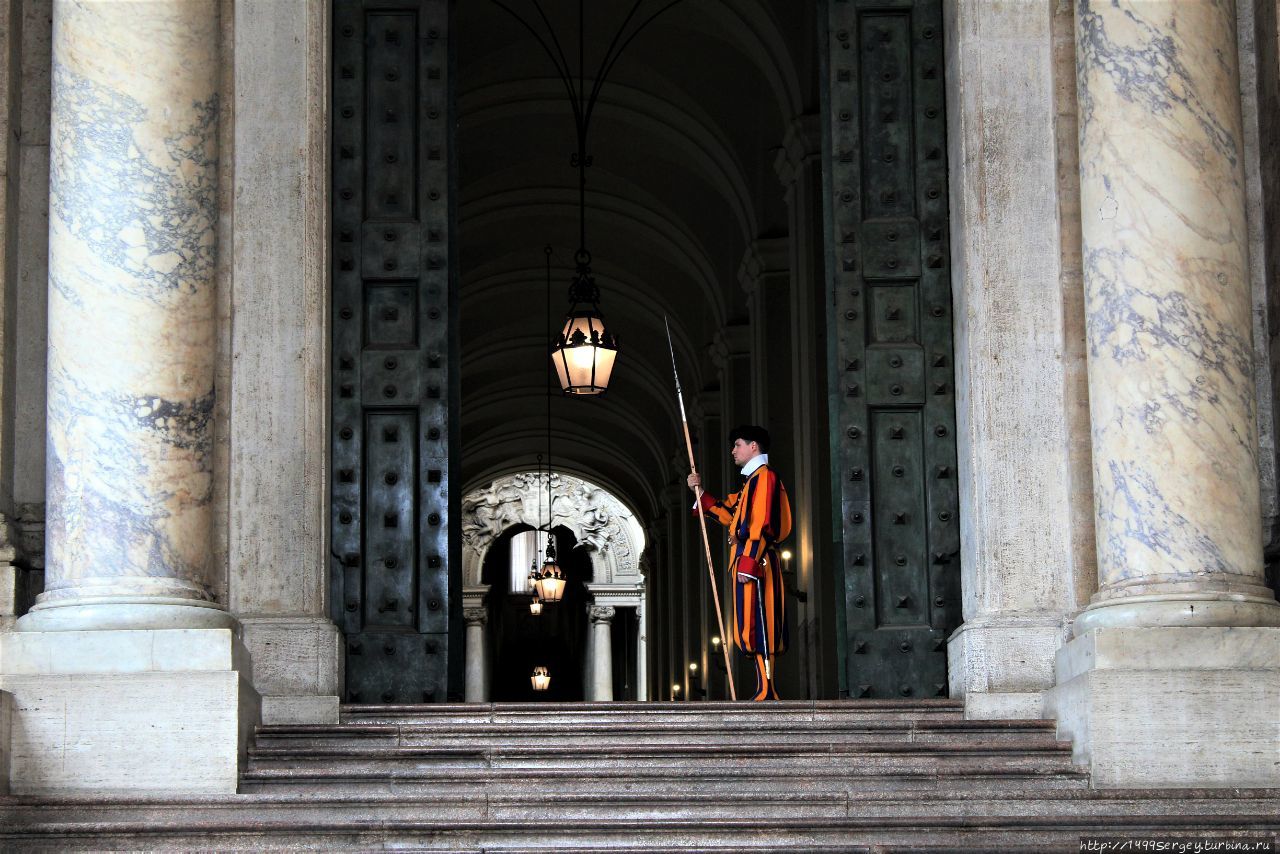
<point x="799" y="168"/>
<point x="128" y="624"/>
<point x="1172" y="633"/>
<point x="601" y="652"/>
<point x="1026" y="554"/>
<point x="273" y="437"/>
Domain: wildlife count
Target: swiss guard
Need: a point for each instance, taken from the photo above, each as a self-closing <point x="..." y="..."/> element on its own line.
<point x="758" y="518"/>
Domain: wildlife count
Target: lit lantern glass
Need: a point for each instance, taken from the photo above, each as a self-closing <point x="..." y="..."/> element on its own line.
<point x="535" y="607"/>
<point x="550" y="583"/>
<point x="541" y="679"/>
<point x="584" y="353"/>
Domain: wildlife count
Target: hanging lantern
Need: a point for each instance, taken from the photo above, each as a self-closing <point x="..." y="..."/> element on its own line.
<point x="550" y="585"/>
<point x="533" y="575"/>
<point x="584" y="351"/>
<point x="535" y="606"/>
<point x="541" y="679"/>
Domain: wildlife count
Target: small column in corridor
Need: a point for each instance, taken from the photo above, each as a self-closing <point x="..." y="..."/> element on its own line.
<point x="600" y="654"/>
<point x="1174" y="649"/>
<point x="477" y="669"/>
<point x="127" y="625"/>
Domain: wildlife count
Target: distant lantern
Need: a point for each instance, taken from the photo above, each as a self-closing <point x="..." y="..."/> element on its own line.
<point x="541" y="679"/>
<point x="535" y="606"/>
<point x="550" y="583"/>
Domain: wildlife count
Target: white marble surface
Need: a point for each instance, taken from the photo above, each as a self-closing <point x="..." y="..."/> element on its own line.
<point x="1168" y="304"/>
<point x="114" y="652"/>
<point x="166" y="712"/>
<point x="1173" y="707"/>
<point x="132" y="247"/>
<point x="600" y="653"/>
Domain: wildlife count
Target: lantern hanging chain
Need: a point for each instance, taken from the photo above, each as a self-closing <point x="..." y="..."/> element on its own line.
<point x="547" y="250"/>
<point x="582" y="103"/>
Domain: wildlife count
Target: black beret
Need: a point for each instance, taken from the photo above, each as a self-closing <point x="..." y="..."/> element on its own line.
<point x="751" y="433"/>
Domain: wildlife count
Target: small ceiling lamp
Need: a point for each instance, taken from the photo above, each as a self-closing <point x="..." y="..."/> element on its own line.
<point x="584" y="351"/>
<point x="541" y="679"/>
<point x="535" y="606"/>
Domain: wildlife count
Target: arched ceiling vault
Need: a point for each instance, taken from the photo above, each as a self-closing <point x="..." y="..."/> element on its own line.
<point x="683" y="141"/>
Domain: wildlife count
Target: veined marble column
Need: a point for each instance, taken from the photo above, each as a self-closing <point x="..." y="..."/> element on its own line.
<point x="132" y="245"/>
<point x="1170" y="363"/>
<point x="476" y="686"/>
<point x="601" y="653"/>
<point x="1181" y="643"/>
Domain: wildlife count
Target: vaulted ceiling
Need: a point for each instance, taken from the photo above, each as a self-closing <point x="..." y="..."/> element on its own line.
<point x="684" y="140"/>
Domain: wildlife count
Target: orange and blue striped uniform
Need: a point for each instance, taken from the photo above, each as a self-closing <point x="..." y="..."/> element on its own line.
<point x="758" y="518"/>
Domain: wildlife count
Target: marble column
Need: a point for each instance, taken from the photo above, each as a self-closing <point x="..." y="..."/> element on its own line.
<point x="128" y="625"/>
<point x="477" y="670"/>
<point x="132" y="246"/>
<point x="1170" y="359"/>
<point x="1180" y="644"/>
<point x="601" y="653"/>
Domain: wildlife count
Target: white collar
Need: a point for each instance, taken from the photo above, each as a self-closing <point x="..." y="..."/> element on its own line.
<point x="754" y="463"/>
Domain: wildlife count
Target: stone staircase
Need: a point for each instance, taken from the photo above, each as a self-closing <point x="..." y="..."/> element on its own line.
<point x="837" y="776"/>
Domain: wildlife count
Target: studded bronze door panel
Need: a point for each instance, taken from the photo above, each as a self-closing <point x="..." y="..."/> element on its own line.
<point x="893" y="397"/>
<point x="394" y="352"/>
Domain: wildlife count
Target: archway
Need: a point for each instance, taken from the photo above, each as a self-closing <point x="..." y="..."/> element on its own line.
<point x="600" y="541"/>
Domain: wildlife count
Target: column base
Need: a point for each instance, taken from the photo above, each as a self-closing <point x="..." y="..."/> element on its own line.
<point x="124" y="613"/>
<point x="297" y="667"/>
<point x="1179" y="609"/>
<point x="1171" y="707"/>
<point x="1000" y="665"/>
<point x="127" y="712"/>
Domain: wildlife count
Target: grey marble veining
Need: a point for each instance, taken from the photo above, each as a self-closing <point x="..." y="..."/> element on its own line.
<point x="133" y="210"/>
<point x="1170" y="356"/>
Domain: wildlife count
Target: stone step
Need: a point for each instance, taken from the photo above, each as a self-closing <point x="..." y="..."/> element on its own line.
<point x="807" y="757"/>
<point x="250" y="823"/>
<point x="785" y="712"/>
<point x="708" y="731"/>
<point x="430" y="783"/>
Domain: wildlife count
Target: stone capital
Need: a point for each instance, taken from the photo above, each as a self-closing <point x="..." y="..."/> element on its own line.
<point x="475" y="616"/>
<point x="732" y="341"/>
<point x="801" y="147"/>
<point x="601" y="613"/>
<point x="765" y="259"/>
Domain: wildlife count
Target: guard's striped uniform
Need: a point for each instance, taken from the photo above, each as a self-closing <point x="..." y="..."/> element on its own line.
<point x="758" y="518"/>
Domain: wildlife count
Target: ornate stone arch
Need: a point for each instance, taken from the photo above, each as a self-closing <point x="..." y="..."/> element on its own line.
<point x="600" y="522"/>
